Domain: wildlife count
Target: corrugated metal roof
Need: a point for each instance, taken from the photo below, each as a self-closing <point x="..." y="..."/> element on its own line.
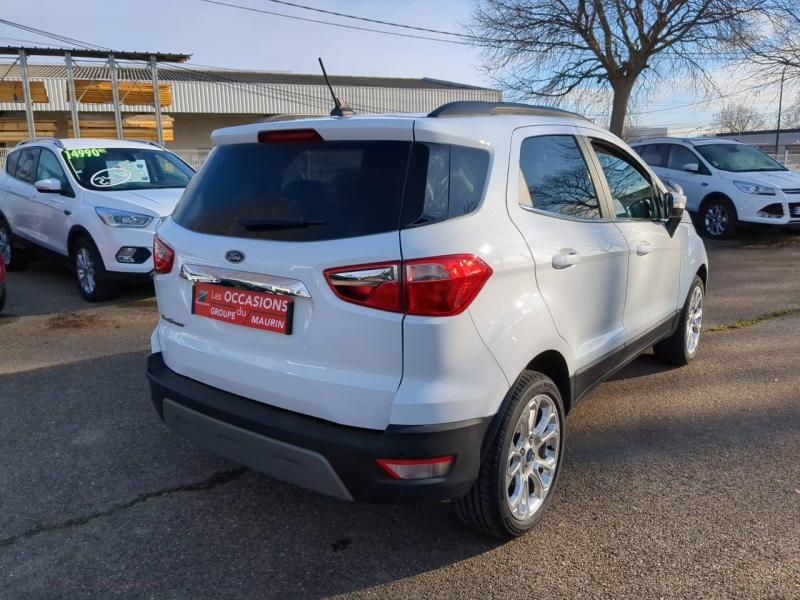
<point x="193" y="74"/>
<point x="263" y="94"/>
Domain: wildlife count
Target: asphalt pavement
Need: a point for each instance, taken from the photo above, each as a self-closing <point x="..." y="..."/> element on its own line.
<point x="676" y="483"/>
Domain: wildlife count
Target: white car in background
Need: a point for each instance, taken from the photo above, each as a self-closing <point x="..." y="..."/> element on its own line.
<point x="725" y="182"/>
<point x="95" y="201"/>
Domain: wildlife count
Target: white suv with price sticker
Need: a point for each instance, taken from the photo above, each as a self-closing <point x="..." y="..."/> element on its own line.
<point x="95" y="201"/>
<point x="405" y="308"/>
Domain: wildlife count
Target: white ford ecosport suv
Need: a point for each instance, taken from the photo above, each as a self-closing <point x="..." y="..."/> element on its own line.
<point x="95" y="201"/>
<point x="404" y="308"/>
<point x="726" y="182"/>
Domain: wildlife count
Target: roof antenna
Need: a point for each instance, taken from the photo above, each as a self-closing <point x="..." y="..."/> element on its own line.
<point x="339" y="109"/>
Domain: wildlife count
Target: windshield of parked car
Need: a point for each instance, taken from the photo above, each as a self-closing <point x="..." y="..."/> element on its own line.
<point x="110" y="169"/>
<point x="738" y="158"/>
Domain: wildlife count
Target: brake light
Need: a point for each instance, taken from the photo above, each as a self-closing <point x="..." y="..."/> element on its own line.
<point x="444" y="285"/>
<point x="416" y="468"/>
<point x="439" y="286"/>
<point x="289" y="136"/>
<point x="163" y="256"/>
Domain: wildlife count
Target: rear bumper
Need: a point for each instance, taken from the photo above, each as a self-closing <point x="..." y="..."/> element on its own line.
<point x="326" y="457"/>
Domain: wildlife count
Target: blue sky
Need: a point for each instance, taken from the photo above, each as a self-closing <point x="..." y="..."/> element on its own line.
<point x="225" y="37"/>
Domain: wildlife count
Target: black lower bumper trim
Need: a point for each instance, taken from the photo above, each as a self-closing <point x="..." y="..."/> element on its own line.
<point x="350" y="451"/>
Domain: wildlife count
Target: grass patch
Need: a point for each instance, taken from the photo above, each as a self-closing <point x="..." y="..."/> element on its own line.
<point x="745" y="323"/>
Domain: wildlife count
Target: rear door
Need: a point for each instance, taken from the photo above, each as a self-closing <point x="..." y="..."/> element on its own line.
<point x="23" y="212"/>
<point x="274" y="215"/>
<point x="655" y="257"/>
<point x="580" y="256"/>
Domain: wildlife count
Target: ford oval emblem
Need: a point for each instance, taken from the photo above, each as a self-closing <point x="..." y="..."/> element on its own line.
<point x="234" y="256"/>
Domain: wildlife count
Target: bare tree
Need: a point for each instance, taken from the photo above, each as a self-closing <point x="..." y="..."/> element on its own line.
<point x="736" y="118"/>
<point x="559" y="48"/>
<point x="777" y="50"/>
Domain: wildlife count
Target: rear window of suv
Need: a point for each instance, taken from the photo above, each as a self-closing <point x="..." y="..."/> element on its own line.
<point x="330" y="190"/>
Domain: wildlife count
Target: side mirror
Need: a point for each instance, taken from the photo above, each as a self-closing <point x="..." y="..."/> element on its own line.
<point x="676" y="203"/>
<point x="691" y="167"/>
<point x="48" y="186"/>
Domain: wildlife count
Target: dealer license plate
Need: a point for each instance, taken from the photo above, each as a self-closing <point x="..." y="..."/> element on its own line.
<point x="258" y="310"/>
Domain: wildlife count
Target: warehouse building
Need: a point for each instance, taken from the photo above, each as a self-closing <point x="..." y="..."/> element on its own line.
<point x="197" y="101"/>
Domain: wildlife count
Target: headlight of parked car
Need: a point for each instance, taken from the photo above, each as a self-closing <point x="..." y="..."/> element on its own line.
<point x="122" y="218"/>
<point x="752" y="188"/>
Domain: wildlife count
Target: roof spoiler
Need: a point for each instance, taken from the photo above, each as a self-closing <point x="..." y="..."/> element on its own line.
<point x="474" y="108"/>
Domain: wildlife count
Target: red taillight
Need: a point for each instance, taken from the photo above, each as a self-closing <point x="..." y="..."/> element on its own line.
<point x="416" y="468"/>
<point x="289" y="136"/>
<point x="375" y="285"/>
<point x="163" y="256"/>
<point x="432" y="287"/>
<point x="444" y="285"/>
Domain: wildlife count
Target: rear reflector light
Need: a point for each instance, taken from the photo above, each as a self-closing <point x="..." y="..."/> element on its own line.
<point x="289" y="136"/>
<point x="434" y="287"/>
<point x="163" y="256"/>
<point x="419" y="468"/>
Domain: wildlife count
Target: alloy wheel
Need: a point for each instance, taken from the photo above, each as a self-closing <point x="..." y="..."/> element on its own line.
<point x="716" y="220"/>
<point x="533" y="457"/>
<point x="84" y="267"/>
<point x="694" y="320"/>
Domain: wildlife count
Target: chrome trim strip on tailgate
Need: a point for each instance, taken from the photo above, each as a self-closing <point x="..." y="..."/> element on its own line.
<point x="241" y="279"/>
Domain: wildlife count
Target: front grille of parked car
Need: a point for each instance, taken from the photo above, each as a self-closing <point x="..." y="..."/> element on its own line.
<point x="791" y="191"/>
<point x="794" y="209"/>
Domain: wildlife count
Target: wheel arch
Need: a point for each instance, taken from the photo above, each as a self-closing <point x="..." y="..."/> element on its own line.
<point x="551" y="363"/>
<point x="715" y="195"/>
<point x="702" y="273"/>
<point x="77" y="231"/>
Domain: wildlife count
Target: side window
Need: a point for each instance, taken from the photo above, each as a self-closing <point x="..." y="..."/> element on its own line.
<point x="26" y="166"/>
<point x="554" y="177"/>
<point x="680" y="156"/>
<point x="11" y="163"/>
<point x="631" y="192"/>
<point x="653" y="154"/>
<point x="444" y="181"/>
<point x="49" y="168"/>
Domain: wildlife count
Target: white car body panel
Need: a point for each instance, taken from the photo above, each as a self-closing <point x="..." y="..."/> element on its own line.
<point x="368" y="368"/>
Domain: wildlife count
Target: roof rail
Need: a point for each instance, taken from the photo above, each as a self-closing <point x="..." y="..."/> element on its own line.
<point x="474" y="108"/>
<point x="56" y="141"/>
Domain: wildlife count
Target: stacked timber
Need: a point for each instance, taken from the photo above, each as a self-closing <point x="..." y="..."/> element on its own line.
<point x="12" y="91"/>
<point x="16" y="130"/>
<point x="132" y="93"/>
<point x="134" y="127"/>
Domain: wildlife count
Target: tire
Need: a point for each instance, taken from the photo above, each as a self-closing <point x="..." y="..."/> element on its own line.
<point x="2" y="298"/>
<point x="681" y="347"/>
<point x="91" y="276"/>
<point x="718" y="218"/>
<point x="489" y="506"/>
<point x="14" y="258"/>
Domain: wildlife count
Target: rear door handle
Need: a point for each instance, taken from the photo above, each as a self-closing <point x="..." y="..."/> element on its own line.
<point x="566" y="257"/>
<point x="643" y="248"/>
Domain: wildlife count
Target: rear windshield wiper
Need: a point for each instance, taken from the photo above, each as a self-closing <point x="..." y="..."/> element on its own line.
<point x="267" y="224"/>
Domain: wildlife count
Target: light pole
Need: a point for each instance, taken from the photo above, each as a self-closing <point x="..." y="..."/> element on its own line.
<point x="780" y="106"/>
